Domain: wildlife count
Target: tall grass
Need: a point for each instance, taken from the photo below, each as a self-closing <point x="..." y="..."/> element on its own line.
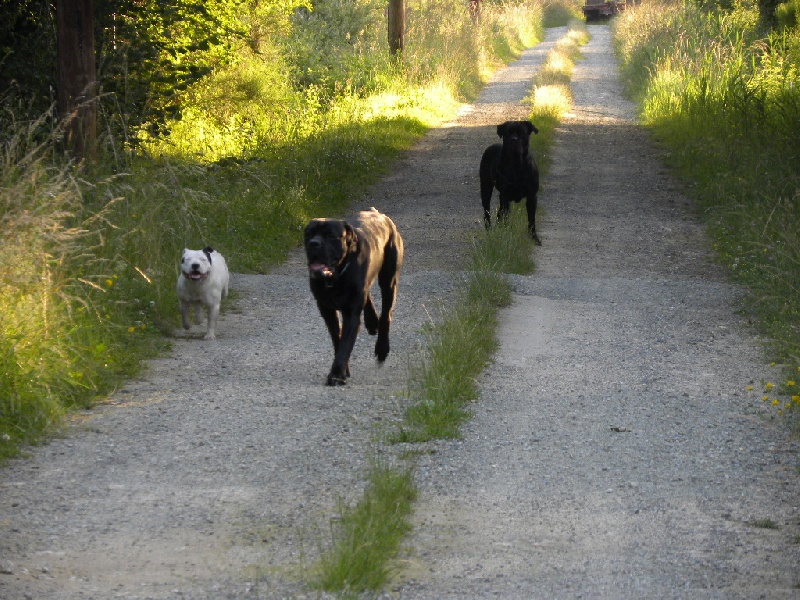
<point x="725" y="98"/>
<point x="369" y="533"/>
<point x="61" y="344"/>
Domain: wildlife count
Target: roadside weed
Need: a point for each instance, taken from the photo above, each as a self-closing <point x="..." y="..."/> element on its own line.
<point x="368" y="534"/>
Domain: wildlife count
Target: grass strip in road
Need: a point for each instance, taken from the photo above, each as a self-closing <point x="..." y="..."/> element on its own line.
<point x="463" y="343"/>
<point x="369" y="534"/>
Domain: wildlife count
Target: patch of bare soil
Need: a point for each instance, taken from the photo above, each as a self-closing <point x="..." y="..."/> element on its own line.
<point x="614" y="452"/>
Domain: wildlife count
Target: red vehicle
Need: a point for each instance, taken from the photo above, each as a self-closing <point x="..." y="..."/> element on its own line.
<point x="595" y="10"/>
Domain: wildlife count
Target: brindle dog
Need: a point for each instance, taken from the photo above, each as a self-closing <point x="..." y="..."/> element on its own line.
<point x="344" y="259"/>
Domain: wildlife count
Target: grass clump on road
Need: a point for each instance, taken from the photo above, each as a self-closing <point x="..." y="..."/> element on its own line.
<point x="459" y="347"/>
<point x="369" y="534"/>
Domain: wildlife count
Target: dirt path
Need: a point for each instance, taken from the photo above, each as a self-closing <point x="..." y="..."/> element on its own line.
<point x="615" y="452"/>
<point x="215" y="475"/>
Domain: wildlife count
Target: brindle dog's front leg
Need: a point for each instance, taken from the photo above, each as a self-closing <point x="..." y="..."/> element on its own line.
<point x="331" y="318"/>
<point x="340" y="370"/>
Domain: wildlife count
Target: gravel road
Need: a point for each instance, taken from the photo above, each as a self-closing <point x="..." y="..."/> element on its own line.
<point x="614" y="452"/>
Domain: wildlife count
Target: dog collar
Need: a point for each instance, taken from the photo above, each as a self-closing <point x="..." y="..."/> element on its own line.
<point x="332" y="280"/>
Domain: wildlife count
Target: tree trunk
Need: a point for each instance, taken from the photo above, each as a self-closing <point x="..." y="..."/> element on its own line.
<point x="397" y="26"/>
<point x="76" y="75"/>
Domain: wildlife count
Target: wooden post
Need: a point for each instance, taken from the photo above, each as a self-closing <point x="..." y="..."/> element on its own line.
<point x="397" y="26"/>
<point x="76" y="75"/>
<point x="475" y="9"/>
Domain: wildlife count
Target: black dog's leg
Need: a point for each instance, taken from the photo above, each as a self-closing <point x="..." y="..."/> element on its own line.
<point x="502" y="210"/>
<point x="387" y="280"/>
<point x="332" y="323"/>
<point x="370" y="316"/>
<point x="337" y="376"/>
<point x="340" y="370"/>
<point x="530" y="205"/>
<point x="486" y="199"/>
<point x="487" y="183"/>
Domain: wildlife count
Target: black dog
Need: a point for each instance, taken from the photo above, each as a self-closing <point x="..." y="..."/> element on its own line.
<point x="344" y="259"/>
<point x="511" y="169"/>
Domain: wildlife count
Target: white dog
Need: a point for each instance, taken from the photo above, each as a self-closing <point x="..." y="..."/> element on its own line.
<point x="203" y="283"/>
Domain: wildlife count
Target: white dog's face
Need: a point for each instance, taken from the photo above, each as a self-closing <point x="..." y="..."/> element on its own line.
<point x="195" y="265"/>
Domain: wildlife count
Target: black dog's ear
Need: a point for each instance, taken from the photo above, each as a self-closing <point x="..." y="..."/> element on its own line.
<point x="350" y="238"/>
<point x="501" y="129"/>
<point x="530" y="127"/>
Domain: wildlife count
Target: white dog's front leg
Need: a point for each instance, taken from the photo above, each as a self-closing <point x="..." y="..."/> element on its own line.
<point x="213" y="313"/>
<point x="185" y="315"/>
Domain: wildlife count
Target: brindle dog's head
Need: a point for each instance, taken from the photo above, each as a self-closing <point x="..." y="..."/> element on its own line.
<point x="516" y="138"/>
<point x="328" y="244"/>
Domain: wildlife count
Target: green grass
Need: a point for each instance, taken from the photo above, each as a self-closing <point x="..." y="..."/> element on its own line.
<point x="765" y="524"/>
<point x="444" y="382"/>
<point x="723" y="97"/>
<point x="368" y="535"/>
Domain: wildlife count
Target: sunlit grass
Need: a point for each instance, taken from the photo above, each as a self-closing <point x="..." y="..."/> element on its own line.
<point x="367" y="535"/>
<point x="87" y="285"/>
<point x="725" y="99"/>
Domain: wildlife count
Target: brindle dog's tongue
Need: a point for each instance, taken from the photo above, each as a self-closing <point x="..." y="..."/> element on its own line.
<point x="319" y="269"/>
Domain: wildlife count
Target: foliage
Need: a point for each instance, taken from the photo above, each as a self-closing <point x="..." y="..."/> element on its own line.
<point x="559" y="13"/>
<point x="29" y="75"/>
<point x="60" y="343"/>
<point x="368" y="535"/>
<point x="725" y="100"/>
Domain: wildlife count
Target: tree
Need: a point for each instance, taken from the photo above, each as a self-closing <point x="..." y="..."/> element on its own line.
<point x="76" y="75"/>
<point x="397" y="26"/>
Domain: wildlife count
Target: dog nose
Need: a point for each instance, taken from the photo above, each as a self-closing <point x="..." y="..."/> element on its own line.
<point x="315" y="242"/>
<point x="195" y="266"/>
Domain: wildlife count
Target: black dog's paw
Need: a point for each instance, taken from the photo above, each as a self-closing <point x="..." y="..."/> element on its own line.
<point x="382" y="350"/>
<point x="535" y="238"/>
<point x="339" y="375"/>
<point x="371" y="321"/>
<point x="336" y="380"/>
